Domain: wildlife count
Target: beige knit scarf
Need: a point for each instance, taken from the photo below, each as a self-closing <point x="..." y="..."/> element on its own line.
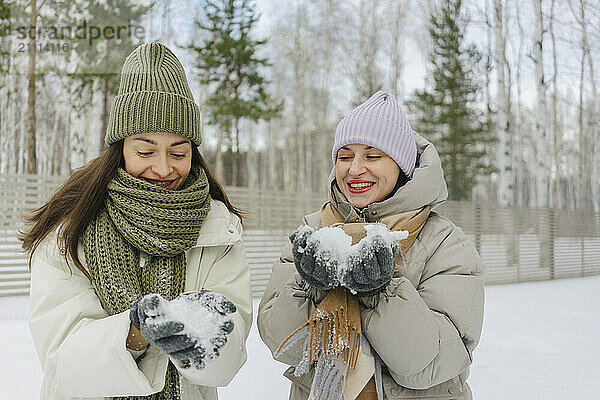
<point x="333" y="330"/>
<point x="141" y="217"/>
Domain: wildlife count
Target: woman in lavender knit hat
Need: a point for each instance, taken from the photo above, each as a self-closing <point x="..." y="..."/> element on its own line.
<point x="419" y="300"/>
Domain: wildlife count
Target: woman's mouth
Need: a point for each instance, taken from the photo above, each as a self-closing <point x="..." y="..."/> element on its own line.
<point x="359" y="187"/>
<point x="162" y="183"/>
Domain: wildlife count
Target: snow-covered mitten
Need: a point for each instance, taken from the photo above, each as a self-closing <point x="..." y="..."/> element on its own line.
<point x="216" y="303"/>
<point x="191" y="328"/>
<point x="148" y="314"/>
<point x="371" y="268"/>
<point x="316" y="266"/>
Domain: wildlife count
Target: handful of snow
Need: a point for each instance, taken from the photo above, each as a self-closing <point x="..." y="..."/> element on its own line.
<point x="338" y="243"/>
<point x="203" y="316"/>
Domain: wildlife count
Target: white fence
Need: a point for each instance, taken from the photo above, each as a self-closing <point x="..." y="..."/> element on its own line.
<point x="515" y="244"/>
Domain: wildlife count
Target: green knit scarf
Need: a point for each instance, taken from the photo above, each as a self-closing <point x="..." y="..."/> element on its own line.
<point x="141" y="217"/>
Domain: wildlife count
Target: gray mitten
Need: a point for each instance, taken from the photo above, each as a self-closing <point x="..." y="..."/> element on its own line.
<point x="163" y="324"/>
<point x="316" y="266"/>
<point x="148" y="315"/>
<point x="219" y="304"/>
<point x="371" y="268"/>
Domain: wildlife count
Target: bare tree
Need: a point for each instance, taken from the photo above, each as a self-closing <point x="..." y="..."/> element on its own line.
<point x="395" y="37"/>
<point x="519" y="133"/>
<point x="555" y="141"/>
<point x="31" y="77"/>
<point x="583" y="196"/>
<point x="492" y="190"/>
<point x="541" y="124"/>
<point x="588" y="160"/>
<point x="503" y="114"/>
<point x="165" y="28"/>
<point x="365" y="72"/>
<point x="271" y="155"/>
<point x="297" y="144"/>
<point x="251" y="164"/>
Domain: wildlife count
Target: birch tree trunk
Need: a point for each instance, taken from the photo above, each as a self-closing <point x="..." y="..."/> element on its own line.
<point x="31" y="76"/>
<point x="10" y="127"/>
<point x="18" y="130"/>
<point x="331" y="16"/>
<point x="503" y="104"/>
<point x="290" y="165"/>
<point x="594" y="134"/>
<point x="555" y="141"/>
<point x="7" y="126"/>
<point x="580" y="190"/>
<point x="105" y="95"/>
<point x="88" y="123"/>
<point x="297" y="152"/>
<point x="67" y="144"/>
<point x="57" y="143"/>
<point x="165" y="29"/>
<point x="541" y="123"/>
<point x="251" y="159"/>
<point x="219" y="157"/>
<point x="271" y="166"/>
<point x="546" y="259"/>
<point x="588" y="159"/>
<point x="235" y="168"/>
<point x="4" y="138"/>
<point x="76" y="137"/>
<point x="492" y="192"/>
<point x="272" y="172"/>
<point x="22" y="151"/>
<point x="518" y="132"/>
<point x="594" y="117"/>
<point x="366" y="75"/>
<point x="396" y="41"/>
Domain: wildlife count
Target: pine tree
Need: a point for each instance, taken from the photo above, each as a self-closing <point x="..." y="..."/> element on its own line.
<point x="447" y="113"/>
<point x="228" y="64"/>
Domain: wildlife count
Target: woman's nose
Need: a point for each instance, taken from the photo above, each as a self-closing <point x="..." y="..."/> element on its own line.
<point x="357" y="167"/>
<point x="161" y="167"/>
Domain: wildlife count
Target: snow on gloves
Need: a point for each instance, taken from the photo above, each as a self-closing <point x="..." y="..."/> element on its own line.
<point x="191" y="329"/>
<point x="315" y="264"/>
<point x="371" y="267"/>
<point x="325" y="258"/>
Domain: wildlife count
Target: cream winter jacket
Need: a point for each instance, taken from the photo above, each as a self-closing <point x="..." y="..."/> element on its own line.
<point x="425" y="325"/>
<point x="82" y="349"/>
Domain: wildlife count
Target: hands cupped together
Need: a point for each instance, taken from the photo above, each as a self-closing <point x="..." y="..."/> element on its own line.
<point x="191" y="329"/>
<point x="365" y="268"/>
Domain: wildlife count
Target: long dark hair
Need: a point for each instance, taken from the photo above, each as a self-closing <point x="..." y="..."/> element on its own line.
<point x="79" y="200"/>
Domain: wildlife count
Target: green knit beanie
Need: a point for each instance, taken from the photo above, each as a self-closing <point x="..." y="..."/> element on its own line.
<point x="154" y="96"/>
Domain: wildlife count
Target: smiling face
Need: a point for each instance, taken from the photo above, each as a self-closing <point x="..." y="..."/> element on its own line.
<point x="365" y="174"/>
<point x="163" y="159"/>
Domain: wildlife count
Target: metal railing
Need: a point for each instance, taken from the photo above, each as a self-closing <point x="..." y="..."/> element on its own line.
<point x="515" y="244"/>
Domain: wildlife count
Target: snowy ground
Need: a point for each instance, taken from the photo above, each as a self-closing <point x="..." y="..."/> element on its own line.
<point x="540" y="341"/>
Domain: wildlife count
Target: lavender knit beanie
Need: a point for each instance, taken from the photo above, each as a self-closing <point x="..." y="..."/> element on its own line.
<point x="379" y="122"/>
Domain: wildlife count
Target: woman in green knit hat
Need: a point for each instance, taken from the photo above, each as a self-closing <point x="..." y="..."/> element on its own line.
<point x="158" y="303"/>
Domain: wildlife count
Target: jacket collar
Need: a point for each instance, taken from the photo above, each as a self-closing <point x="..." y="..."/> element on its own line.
<point x="220" y="228"/>
<point x="427" y="187"/>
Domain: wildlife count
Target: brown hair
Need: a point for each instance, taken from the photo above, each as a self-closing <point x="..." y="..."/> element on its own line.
<point x="79" y="200"/>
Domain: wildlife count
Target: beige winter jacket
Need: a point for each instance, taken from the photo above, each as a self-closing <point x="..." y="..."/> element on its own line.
<point x="82" y="349"/>
<point x="425" y="325"/>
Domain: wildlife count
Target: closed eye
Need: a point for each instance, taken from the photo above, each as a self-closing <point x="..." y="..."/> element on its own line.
<point x="149" y="153"/>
